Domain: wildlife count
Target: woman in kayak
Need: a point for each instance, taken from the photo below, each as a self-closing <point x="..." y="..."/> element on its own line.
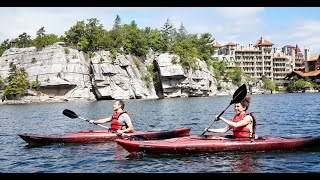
<point x="120" y="120"/>
<point x="243" y="124"/>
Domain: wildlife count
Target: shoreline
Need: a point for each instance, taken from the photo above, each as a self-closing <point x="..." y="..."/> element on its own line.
<point x="37" y="100"/>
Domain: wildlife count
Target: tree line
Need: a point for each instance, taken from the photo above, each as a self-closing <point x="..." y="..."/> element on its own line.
<point x="90" y="36"/>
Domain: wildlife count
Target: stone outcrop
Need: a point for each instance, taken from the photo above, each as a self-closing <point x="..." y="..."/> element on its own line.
<point x="119" y="79"/>
<point x="62" y="71"/>
<point x="179" y="82"/>
<point x="67" y="74"/>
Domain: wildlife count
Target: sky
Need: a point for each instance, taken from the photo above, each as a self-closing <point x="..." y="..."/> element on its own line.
<point x="242" y="25"/>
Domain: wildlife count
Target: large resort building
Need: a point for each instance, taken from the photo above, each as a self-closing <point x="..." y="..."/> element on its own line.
<point x="262" y="59"/>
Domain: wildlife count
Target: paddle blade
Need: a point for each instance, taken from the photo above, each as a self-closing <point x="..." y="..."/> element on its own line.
<point x="239" y="94"/>
<point x="70" y="113"/>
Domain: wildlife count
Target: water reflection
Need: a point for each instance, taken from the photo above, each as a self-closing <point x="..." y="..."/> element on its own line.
<point x="274" y="113"/>
<point x="244" y="163"/>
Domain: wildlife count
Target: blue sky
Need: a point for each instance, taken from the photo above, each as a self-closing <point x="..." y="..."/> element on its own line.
<point x="242" y="25"/>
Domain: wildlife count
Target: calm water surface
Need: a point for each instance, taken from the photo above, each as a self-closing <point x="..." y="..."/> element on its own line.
<point x="278" y="114"/>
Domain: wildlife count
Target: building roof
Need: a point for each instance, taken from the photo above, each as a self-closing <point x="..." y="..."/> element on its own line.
<point x="314" y="57"/>
<point x="263" y="42"/>
<point x="217" y="44"/>
<point x="230" y="44"/>
<point x="290" y="46"/>
<point x="307" y="74"/>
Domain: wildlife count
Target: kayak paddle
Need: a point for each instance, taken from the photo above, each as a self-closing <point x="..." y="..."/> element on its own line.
<point x="73" y="115"/>
<point x="237" y="97"/>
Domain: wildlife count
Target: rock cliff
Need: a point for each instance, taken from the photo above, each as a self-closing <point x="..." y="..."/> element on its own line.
<point x="68" y="74"/>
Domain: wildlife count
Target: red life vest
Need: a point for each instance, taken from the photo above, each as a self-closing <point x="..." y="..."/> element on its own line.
<point x="243" y="131"/>
<point x="115" y="123"/>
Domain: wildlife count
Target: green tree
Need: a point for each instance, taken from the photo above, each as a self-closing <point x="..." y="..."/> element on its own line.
<point x="205" y="48"/>
<point x="222" y="67"/>
<point x="2" y="82"/>
<point x="91" y="35"/>
<point x="299" y="84"/>
<point x="17" y="82"/>
<point x="216" y="66"/>
<point x="22" y="81"/>
<point x="149" y="76"/>
<point x="167" y="33"/>
<point x="134" y="40"/>
<point x="24" y="40"/>
<point x="153" y="37"/>
<point x="36" y="84"/>
<point x="117" y="23"/>
<point x="187" y="50"/>
<point x="42" y="40"/>
<point x="52" y="38"/>
<point x="94" y="32"/>
<point x="84" y="43"/>
<point x="235" y="74"/>
<point x="182" y="32"/>
<point x="269" y="84"/>
<point x="75" y="33"/>
<point x="116" y="36"/>
<point x="4" y="46"/>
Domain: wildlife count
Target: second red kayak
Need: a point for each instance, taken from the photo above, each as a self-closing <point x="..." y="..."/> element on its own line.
<point x="205" y="144"/>
<point x="93" y="136"/>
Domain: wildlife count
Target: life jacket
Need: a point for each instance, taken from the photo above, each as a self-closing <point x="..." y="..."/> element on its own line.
<point x="243" y="131"/>
<point x="115" y="123"/>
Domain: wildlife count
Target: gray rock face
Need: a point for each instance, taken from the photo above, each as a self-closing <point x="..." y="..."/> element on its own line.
<point x="63" y="72"/>
<point x="178" y="82"/>
<point x="118" y="79"/>
<point x="68" y="74"/>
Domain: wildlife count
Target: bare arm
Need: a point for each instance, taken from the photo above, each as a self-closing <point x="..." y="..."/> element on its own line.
<point x="101" y="121"/>
<point x="129" y="129"/>
<point x="221" y="130"/>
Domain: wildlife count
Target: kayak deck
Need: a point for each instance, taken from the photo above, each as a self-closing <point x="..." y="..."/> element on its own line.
<point x="96" y="136"/>
<point x="205" y="144"/>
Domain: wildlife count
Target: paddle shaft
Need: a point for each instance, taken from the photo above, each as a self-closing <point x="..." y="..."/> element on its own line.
<point x="93" y="123"/>
<point x="238" y="96"/>
<point x="136" y="136"/>
<point x="73" y="115"/>
<point x="217" y="117"/>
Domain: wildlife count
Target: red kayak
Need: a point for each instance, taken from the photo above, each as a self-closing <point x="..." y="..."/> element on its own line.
<point x="205" y="144"/>
<point x="93" y="136"/>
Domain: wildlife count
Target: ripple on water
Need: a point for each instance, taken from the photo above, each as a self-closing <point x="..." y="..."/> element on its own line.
<point x="278" y="114"/>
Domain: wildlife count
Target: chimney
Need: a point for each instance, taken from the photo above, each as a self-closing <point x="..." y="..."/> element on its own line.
<point x="262" y="40"/>
<point x="306" y="57"/>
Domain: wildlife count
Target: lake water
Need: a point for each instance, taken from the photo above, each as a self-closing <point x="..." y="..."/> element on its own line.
<point x="278" y="114"/>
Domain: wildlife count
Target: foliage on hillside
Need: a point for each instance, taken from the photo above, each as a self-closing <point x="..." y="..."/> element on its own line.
<point x="90" y="36"/>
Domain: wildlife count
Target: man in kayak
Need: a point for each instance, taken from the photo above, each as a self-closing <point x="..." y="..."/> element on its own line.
<point x="120" y="120"/>
<point x="243" y="124"/>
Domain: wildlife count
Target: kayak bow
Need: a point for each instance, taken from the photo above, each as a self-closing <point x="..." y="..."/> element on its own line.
<point x="95" y="136"/>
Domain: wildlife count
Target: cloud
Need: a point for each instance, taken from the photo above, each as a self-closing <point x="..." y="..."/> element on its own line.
<point x="301" y="32"/>
<point x="242" y="25"/>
